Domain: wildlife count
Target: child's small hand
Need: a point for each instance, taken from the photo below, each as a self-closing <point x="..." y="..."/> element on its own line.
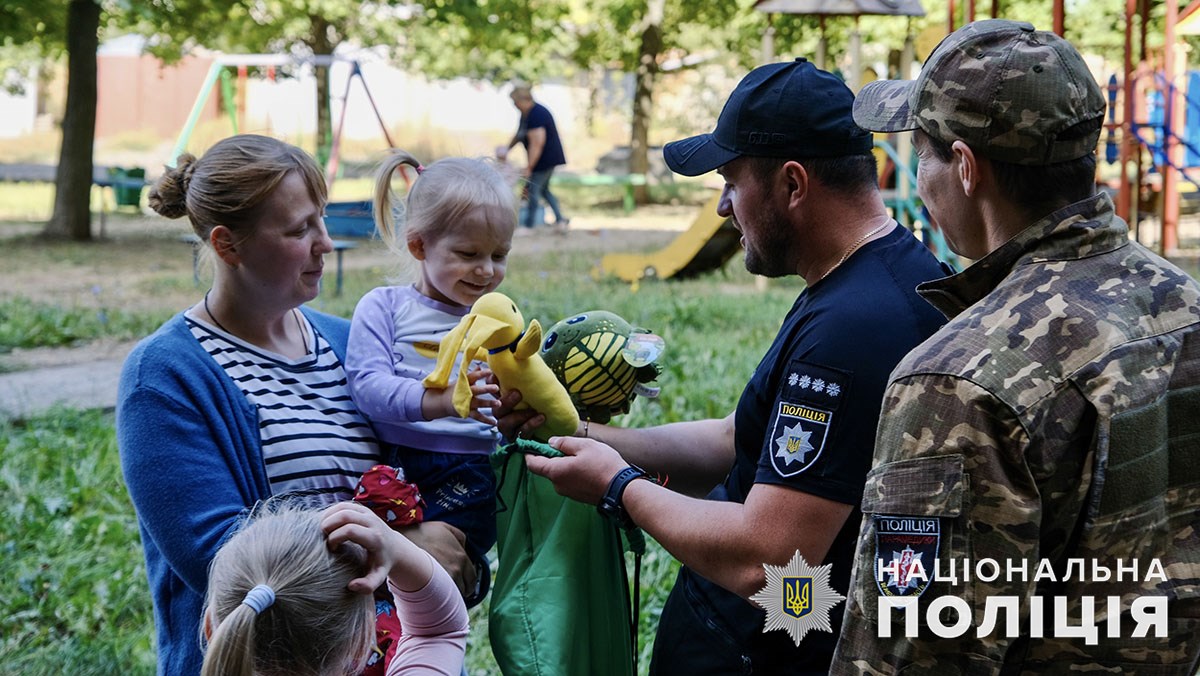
<point x="389" y="554"/>
<point x="484" y="393"/>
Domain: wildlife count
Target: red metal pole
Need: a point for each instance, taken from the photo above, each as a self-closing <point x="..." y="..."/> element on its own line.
<point x="1192" y="7"/>
<point x="1128" y="143"/>
<point x="1173" y="124"/>
<point x="950" y="18"/>
<point x="331" y="166"/>
<point x="1059" y="17"/>
<point x="970" y="10"/>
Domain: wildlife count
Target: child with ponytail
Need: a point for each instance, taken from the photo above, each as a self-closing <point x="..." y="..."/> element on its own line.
<point x="457" y="225"/>
<point x="291" y="593"/>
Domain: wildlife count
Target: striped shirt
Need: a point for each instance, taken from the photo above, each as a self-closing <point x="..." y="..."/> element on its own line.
<point x="314" y="440"/>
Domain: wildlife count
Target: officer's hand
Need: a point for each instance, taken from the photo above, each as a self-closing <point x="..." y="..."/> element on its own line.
<point x="584" y="472"/>
<point x="512" y="422"/>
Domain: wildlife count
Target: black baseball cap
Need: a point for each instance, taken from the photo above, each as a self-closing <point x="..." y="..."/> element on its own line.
<point x="786" y="110"/>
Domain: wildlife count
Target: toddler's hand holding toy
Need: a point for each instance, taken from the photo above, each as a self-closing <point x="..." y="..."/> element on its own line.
<point x="495" y="330"/>
<point x="440" y="402"/>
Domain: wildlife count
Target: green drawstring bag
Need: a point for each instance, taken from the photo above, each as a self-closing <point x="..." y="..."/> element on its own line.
<point x="560" y="599"/>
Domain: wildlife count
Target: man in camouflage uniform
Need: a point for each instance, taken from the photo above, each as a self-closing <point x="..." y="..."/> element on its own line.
<point x="1055" y="420"/>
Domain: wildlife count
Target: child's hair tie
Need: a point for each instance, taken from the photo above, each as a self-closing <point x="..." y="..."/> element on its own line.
<point x="420" y="169"/>
<point x="260" y="598"/>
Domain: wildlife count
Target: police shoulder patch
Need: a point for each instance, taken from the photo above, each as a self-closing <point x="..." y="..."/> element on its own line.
<point x="808" y="398"/>
<point x="798" y="437"/>
<point x="906" y="548"/>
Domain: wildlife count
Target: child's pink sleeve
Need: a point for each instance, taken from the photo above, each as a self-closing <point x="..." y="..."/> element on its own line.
<point x="434" y="621"/>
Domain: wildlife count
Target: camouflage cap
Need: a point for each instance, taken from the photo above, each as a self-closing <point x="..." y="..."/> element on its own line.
<point x="1010" y="92"/>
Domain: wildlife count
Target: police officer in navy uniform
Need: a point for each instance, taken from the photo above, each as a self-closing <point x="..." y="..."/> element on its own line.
<point x="785" y="471"/>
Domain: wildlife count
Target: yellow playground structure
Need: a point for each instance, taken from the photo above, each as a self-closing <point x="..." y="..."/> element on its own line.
<point x="707" y="245"/>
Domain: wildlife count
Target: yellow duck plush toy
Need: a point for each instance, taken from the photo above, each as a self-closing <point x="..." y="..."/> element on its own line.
<point x="496" y="327"/>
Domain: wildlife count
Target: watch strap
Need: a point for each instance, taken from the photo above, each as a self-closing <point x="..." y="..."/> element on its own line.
<point x="611" y="504"/>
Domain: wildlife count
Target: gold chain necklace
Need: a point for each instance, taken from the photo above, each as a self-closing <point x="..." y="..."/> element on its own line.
<point x="854" y="247"/>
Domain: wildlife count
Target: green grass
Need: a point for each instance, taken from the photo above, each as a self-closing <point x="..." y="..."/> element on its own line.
<point x="608" y="200"/>
<point x="580" y="200"/>
<point x="73" y="594"/>
<point x="35" y="202"/>
<point x="28" y="324"/>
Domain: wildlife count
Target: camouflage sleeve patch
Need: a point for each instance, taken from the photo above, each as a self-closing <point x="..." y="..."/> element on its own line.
<point x="909" y="512"/>
<point x="949" y="485"/>
<point x="907" y="502"/>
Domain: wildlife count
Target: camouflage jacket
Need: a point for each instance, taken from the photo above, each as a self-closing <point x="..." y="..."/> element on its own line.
<point x="1054" y="420"/>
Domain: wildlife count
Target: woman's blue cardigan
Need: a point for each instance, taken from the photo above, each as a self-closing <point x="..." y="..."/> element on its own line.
<point x="192" y="461"/>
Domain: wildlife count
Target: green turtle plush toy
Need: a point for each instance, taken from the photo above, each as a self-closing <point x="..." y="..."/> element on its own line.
<point x="603" y="361"/>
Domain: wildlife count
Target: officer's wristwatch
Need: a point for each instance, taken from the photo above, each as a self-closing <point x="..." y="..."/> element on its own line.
<point x="611" y="505"/>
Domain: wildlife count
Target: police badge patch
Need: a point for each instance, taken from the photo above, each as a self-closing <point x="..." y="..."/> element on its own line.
<point x="809" y="395"/>
<point x="905" y="550"/>
<point x="799" y="436"/>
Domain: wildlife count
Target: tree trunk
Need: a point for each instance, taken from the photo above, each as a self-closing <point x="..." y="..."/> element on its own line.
<point x="322" y="44"/>
<point x="73" y="178"/>
<point x="596" y="77"/>
<point x="647" y="70"/>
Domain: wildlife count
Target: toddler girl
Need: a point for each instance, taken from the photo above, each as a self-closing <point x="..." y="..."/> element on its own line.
<point x="458" y="227"/>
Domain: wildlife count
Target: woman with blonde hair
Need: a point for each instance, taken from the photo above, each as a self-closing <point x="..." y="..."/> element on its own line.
<point x="291" y="593"/>
<point x="243" y="395"/>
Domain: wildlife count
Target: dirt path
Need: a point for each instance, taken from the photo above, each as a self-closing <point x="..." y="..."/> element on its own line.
<point x="83" y="385"/>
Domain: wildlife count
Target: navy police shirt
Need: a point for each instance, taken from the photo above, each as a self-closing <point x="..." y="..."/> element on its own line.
<point x="807" y="420"/>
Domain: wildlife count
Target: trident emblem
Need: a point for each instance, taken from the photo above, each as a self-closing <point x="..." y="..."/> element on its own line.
<point x="797" y="596"/>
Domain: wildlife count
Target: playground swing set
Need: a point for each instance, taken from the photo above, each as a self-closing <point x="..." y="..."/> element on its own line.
<point x="342" y="219"/>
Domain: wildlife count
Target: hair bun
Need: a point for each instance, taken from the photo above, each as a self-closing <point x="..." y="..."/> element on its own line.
<point x="168" y="197"/>
<point x="187" y="167"/>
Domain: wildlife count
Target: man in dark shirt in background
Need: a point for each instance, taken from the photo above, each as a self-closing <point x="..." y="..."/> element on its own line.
<point x="543" y="147"/>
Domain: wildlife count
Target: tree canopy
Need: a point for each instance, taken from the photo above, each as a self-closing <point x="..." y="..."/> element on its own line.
<point x="494" y="40"/>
